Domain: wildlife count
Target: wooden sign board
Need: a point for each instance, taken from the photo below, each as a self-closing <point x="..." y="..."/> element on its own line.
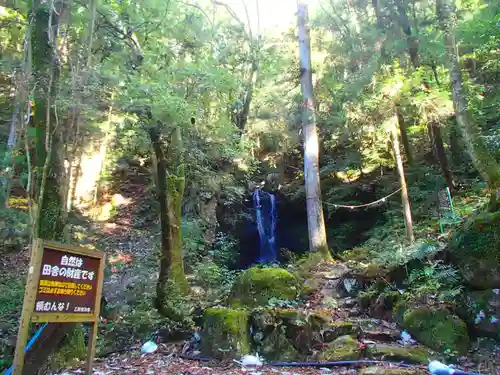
<point x="64" y="285"/>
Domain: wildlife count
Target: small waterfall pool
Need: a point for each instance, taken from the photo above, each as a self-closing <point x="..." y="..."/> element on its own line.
<point x="266" y="216"/>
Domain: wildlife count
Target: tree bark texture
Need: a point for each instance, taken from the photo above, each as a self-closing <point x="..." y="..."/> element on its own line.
<point x="49" y="170"/>
<point x="404" y="136"/>
<point x="402" y="181"/>
<point x="170" y="190"/>
<point x="49" y="203"/>
<point x="481" y="159"/>
<point x="440" y="152"/>
<point x="315" y="218"/>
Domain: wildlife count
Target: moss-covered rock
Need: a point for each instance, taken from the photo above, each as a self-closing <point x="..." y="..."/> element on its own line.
<point x="383" y="370"/>
<point x="225" y="333"/>
<point x="289" y="316"/>
<point x="277" y="347"/>
<point x="264" y="319"/>
<point x="336" y="329"/>
<point x="481" y="310"/>
<point x="437" y="328"/>
<point x="256" y="286"/>
<point x="410" y="354"/>
<point x="321" y="318"/>
<point x="343" y="348"/>
<point x="379" y="304"/>
<point x="475" y="249"/>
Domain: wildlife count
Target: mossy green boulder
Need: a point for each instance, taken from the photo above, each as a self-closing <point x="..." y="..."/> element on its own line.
<point x="225" y="333"/>
<point x="277" y="347"/>
<point x="475" y="249"/>
<point x="257" y="286"/>
<point x="342" y="349"/>
<point x="437" y="328"/>
<point x="407" y="354"/>
<point x="333" y="330"/>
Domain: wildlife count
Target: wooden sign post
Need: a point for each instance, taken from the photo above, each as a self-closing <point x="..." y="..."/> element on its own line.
<point x="64" y="285"/>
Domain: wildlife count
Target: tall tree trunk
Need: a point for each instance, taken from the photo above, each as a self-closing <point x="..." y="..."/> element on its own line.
<point x="404" y="135"/>
<point x="483" y="161"/>
<point x="176" y="184"/>
<point x="170" y="190"/>
<point x="315" y="218"/>
<point x="402" y="181"/>
<point x="437" y="140"/>
<point x="7" y="175"/>
<point x="411" y="40"/>
<point x="49" y="223"/>
<point x="48" y="199"/>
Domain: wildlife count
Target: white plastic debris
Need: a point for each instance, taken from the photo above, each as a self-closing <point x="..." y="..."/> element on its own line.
<point x="407" y="339"/>
<point x="149" y="347"/>
<point x="249" y="362"/>
<point x="349" y="284"/>
<point x="479" y="316"/>
<point x="438" y="368"/>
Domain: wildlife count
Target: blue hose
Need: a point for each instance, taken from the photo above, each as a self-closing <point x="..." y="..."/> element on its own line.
<point x="30" y="343"/>
<point x="335" y="364"/>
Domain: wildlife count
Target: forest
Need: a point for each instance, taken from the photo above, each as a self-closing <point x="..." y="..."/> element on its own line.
<point x="278" y="186"/>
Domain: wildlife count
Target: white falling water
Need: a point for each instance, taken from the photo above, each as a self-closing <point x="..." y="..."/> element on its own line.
<point x="266" y="219"/>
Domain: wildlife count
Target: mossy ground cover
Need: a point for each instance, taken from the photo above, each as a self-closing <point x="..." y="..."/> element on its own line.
<point x="476" y="250"/>
<point x="438" y="329"/>
<point x="257" y="286"/>
<point x="225" y="333"/>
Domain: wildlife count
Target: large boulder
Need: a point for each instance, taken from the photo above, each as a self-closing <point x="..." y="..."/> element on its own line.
<point x="475" y="249"/>
<point x="406" y="354"/>
<point x="277" y="347"/>
<point x="225" y="333"/>
<point x="341" y="349"/>
<point x="257" y="286"/>
<point x="304" y="330"/>
<point x="481" y="310"/>
<point x="437" y="328"/>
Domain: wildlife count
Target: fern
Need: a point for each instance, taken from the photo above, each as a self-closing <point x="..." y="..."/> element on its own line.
<point x="441" y="281"/>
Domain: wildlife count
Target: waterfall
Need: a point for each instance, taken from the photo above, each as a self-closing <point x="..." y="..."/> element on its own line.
<point x="266" y="217"/>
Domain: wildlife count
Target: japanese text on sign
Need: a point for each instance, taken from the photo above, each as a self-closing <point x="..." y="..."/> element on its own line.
<point x="67" y="283"/>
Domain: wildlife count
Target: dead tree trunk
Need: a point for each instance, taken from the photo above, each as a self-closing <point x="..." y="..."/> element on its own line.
<point x="315" y="219"/>
<point x="437" y="141"/>
<point x="402" y="181"/>
<point x="404" y="136"/>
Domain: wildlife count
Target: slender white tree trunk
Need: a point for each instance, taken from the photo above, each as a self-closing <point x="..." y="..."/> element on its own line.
<point x="315" y="219"/>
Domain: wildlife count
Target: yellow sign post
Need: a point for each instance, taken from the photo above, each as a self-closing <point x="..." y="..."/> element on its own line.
<point x="64" y="285"/>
